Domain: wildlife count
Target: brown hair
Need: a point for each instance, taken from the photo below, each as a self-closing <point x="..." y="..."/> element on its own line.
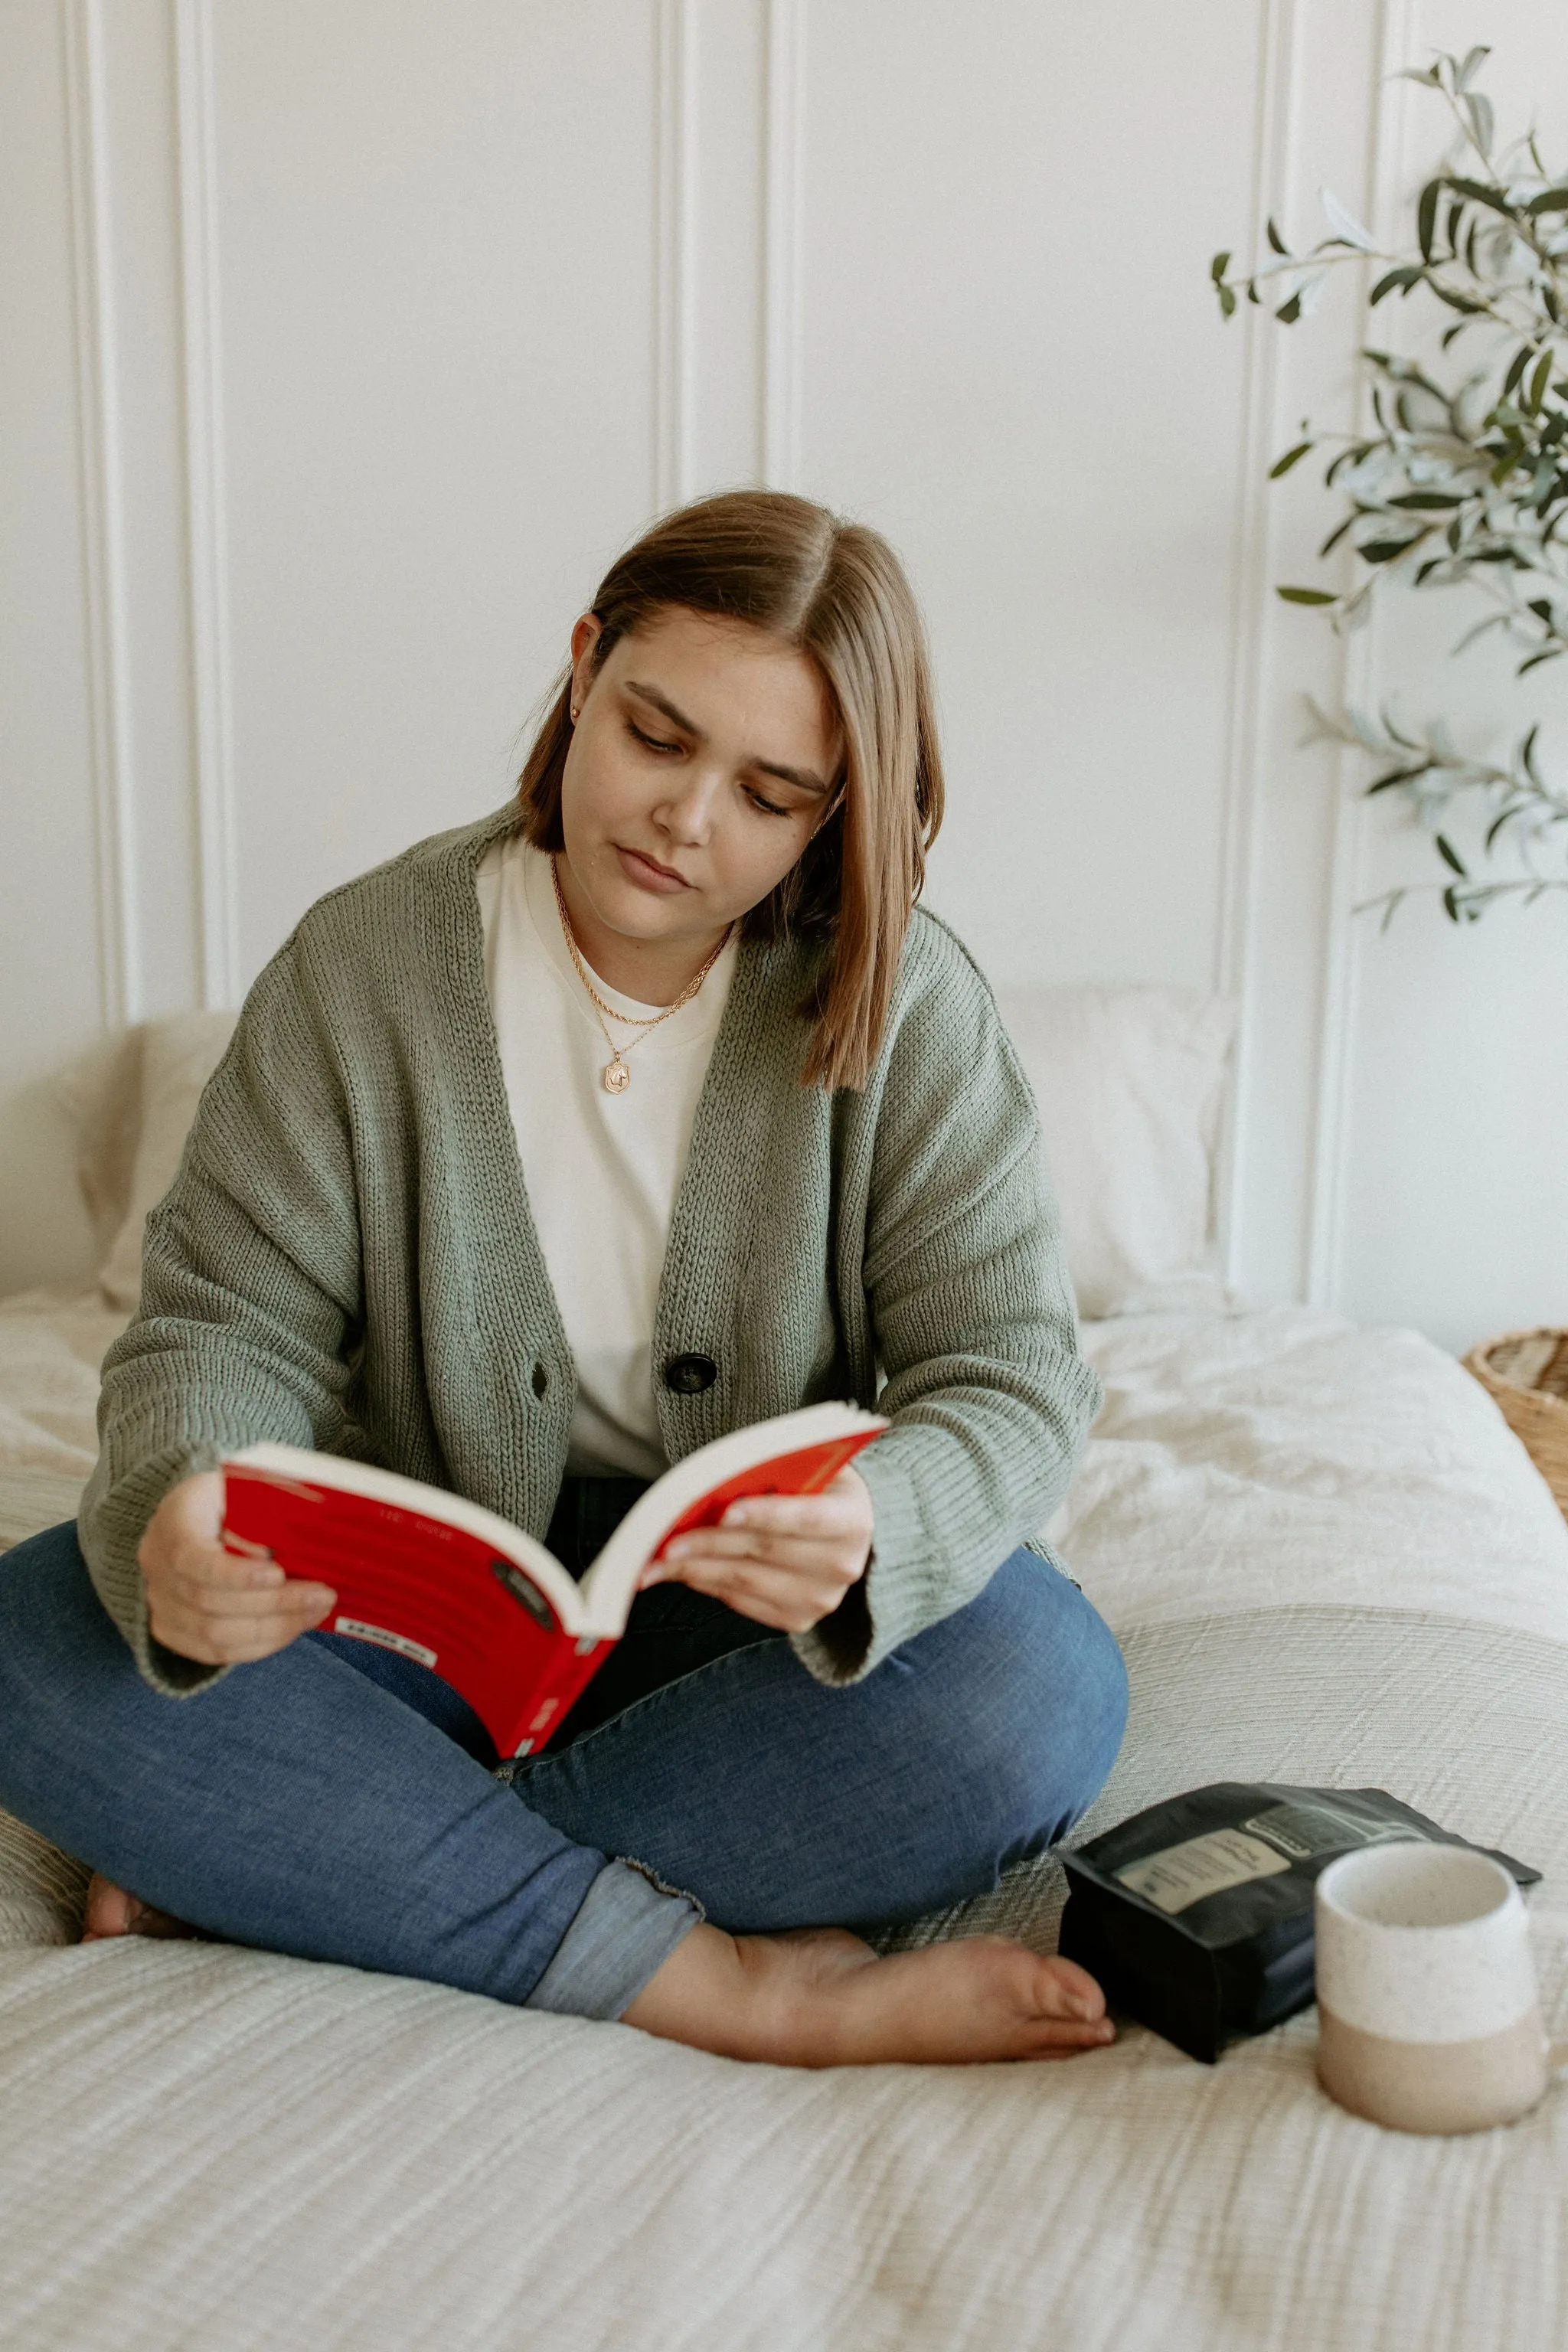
<point x="836" y="592"/>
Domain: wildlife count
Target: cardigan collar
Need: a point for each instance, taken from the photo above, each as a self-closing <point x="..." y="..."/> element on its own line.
<point x="757" y="1050"/>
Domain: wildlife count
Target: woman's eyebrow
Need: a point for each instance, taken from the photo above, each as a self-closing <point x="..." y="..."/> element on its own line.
<point x="800" y="777"/>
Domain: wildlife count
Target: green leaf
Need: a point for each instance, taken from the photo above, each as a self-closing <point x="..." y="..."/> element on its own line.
<point x="1289" y="312"/>
<point x="1450" y="856"/>
<point x="1385" y="550"/>
<point x="1307" y="596"/>
<point x="1218" y="266"/>
<point x="1536" y="659"/>
<point x="1516" y="368"/>
<point x="1456" y="302"/>
<point x="1538" y="384"/>
<point x="1426" y="216"/>
<point x="1480" y="110"/>
<point x="1283" y="465"/>
<point x="1335" y="536"/>
<point x="1423" y="498"/>
<point x="1474" y="60"/>
<point x="1407" y="277"/>
<point x="1275" y="241"/>
<point x="1397" y="776"/>
<point x="1553" y="200"/>
<point x="1226" y="302"/>
<point x="1478" y="192"/>
<point x="1450" y="904"/>
<point x="1527" y="756"/>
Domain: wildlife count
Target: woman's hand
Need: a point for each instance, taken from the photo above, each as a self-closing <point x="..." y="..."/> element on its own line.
<point x="785" y="1561"/>
<point x="210" y="1604"/>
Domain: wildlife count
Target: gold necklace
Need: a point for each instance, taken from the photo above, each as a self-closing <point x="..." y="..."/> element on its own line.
<point x="614" y="1077"/>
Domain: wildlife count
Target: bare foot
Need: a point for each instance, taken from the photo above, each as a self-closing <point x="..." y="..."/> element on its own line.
<point x="111" y="1911"/>
<point x="822" y="1998"/>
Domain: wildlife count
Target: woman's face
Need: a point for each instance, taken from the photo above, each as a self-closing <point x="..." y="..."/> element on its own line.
<point x="703" y="759"/>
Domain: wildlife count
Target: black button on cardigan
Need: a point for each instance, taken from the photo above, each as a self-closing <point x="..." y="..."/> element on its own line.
<point x="689" y="1375"/>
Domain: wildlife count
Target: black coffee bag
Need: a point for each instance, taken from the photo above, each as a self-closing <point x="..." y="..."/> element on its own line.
<point x="1197" y="1916"/>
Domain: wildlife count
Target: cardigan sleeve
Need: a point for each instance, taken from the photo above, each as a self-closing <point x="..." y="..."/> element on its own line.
<point x="973" y="1319"/>
<point x="251" y="1287"/>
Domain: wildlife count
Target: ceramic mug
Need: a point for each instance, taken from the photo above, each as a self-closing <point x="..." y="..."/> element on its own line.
<point x="1427" y="2012"/>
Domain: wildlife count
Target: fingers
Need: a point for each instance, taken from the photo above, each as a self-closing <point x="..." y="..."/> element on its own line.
<point x="787" y="1585"/>
<point x="216" y="1606"/>
<point x="195" y="1632"/>
<point x="769" y="1596"/>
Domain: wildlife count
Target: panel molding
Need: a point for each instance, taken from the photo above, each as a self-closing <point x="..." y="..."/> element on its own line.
<point x="1236" y="958"/>
<point x="675" y="196"/>
<point x="783" y="116"/>
<point x="116" y="909"/>
<point x="1399" y="32"/>
<point x="212" y="716"/>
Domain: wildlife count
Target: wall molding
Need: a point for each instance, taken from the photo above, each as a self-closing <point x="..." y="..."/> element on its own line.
<point x="212" y="716"/>
<point x="675" y="198"/>
<point x="1236" y="958"/>
<point x="117" y="907"/>
<point x="783" y="146"/>
<point x="1399" y="30"/>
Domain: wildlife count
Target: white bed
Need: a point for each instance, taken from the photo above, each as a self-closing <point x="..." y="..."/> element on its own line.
<point x="1328" y="1560"/>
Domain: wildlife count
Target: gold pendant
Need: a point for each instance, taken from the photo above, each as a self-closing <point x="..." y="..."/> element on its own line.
<point x="616" y="1076"/>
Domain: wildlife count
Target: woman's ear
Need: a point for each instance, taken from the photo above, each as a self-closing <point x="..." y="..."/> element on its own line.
<point x="585" y="634"/>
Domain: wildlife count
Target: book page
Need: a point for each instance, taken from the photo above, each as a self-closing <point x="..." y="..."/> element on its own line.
<point x="389" y="1489"/>
<point x="797" y="1453"/>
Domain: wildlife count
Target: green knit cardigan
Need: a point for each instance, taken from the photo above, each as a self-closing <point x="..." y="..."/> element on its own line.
<point x="346" y="1259"/>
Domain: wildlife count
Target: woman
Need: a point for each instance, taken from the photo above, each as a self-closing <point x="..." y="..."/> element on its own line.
<point x="641" y="1111"/>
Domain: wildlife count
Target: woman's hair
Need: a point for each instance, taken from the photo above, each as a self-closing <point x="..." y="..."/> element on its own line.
<point x="838" y="593"/>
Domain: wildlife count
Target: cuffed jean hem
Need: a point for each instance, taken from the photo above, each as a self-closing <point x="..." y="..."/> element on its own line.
<point x="627" y="1927"/>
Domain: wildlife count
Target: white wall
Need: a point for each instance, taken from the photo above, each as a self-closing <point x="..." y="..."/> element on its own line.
<point x="351" y="341"/>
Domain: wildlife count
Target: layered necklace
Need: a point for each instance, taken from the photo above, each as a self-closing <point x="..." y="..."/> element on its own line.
<point x="615" y="1077"/>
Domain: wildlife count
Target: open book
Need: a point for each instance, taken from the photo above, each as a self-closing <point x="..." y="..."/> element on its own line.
<point x="472" y="1597"/>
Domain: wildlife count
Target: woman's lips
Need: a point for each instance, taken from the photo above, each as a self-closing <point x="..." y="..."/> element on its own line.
<point x="649" y="874"/>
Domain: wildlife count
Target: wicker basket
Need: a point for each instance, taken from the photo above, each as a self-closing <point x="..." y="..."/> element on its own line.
<point x="1527" y="1375"/>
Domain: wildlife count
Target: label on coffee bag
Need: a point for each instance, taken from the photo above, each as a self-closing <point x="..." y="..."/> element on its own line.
<point x="1305" y="1831"/>
<point x="1185" y="1874"/>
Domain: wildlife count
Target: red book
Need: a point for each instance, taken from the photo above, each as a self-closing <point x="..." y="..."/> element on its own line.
<point x="470" y="1596"/>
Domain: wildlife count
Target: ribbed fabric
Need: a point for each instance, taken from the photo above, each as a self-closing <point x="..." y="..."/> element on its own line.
<point x="346" y="1259"/>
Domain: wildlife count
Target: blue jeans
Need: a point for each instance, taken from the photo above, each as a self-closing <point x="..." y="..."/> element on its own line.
<point x="339" y="1802"/>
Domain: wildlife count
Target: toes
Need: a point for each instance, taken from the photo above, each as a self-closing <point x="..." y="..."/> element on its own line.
<point x="1067" y="1991"/>
<point x="108" y="1910"/>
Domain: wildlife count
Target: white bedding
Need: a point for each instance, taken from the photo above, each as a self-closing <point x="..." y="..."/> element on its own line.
<point x="1329" y="1560"/>
<point x="1287" y="1456"/>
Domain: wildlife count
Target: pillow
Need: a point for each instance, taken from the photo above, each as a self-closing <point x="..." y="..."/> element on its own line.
<point x="174" y="1060"/>
<point x="1130" y="1083"/>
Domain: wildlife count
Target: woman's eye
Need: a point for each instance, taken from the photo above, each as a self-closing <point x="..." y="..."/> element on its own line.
<point x="653" y="741"/>
<point x="769" y="808"/>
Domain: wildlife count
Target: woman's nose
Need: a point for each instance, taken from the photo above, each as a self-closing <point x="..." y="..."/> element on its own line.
<point x="688" y="815"/>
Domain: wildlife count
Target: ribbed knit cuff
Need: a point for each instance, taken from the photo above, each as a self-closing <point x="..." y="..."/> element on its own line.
<point x="627" y="1927"/>
<point x="895" y="1597"/>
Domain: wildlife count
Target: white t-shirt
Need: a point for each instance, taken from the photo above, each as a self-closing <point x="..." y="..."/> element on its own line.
<point x="601" y="1170"/>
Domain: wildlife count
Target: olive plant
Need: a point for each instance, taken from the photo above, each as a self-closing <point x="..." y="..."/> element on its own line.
<point x="1464" y="481"/>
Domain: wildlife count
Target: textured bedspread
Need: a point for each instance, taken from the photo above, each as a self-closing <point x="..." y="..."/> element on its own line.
<point x="1329" y="1561"/>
